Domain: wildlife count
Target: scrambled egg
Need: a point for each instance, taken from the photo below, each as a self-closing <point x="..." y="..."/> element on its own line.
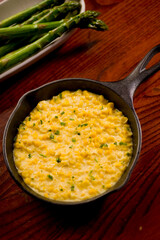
<point x="73" y="147"/>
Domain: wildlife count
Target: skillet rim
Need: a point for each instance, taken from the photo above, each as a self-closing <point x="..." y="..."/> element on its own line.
<point x="79" y="202"/>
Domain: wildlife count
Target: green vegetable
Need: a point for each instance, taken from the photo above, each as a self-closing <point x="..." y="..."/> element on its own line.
<point x="60" y="95"/>
<point x="21" y="16"/>
<point x="62" y="113"/>
<point x="115" y="143"/>
<point x="71" y="146"/>
<point x="35" y="17"/>
<point x="73" y="140"/>
<point x="29" y="155"/>
<point x="41" y="121"/>
<point x="56" y="116"/>
<point x="50" y="176"/>
<point x="21" y="54"/>
<point x="57" y="11"/>
<point x="29" y="30"/>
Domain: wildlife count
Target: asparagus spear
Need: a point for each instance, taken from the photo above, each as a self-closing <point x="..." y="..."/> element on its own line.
<point x="21" y="54"/>
<point x="59" y="10"/>
<point x="19" y="31"/>
<point x="21" y="16"/>
<point x="36" y="17"/>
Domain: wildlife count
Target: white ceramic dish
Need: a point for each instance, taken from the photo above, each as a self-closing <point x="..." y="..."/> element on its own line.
<point x="10" y="7"/>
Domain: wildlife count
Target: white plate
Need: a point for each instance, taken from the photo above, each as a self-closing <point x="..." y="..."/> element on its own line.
<point x="10" y="7"/>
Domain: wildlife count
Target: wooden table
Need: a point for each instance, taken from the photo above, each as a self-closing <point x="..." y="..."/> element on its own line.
<point x="134" y="211"/>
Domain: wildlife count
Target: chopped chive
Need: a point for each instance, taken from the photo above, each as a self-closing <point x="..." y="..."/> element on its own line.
<point x="41" y="121"/>
<point x="50" y="176"/>
<point x="15" y="138"/>
<point x="103" y="186"/>
<point x="71" y="146"/>
<point x="32" y="178"/>
<point x="42" y="155"/>
<point x="73" y="140"/>
<point x="51" y="136"/>
<point x="50" y="130"/>
<point x="29" y="155"/>
<point x="29" y="119"/>
<point x="72" y="177"/>
<point x="74" y="111"/>
<point x="72" y="188"/>
<point x="58" y="160"/>
<point x="115" y="143"/>
<point x="103" y="145"/>
<point x="62" y="113"/>
<point x="34" y="124"/>
<point x="39" y="110"/>
<point x="60" y="95"/>
<point x="85" y="124"/>
<point x="96" y="160"/>
<point x="71" y="119"/>
<point x="102" y="108"/>
<point x="122" y="143"/>
<point x="56" y="116"/>
<point x="57" y="132"/>
<point x="62" y="123"/>
<point x="128" y="154"/>
<point x="61" y="189"/>
<point x="90" y="174"/>
<point x="78" y="133"/>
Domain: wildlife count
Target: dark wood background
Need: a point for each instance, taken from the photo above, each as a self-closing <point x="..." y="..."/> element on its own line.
<point x="134" y="211"/>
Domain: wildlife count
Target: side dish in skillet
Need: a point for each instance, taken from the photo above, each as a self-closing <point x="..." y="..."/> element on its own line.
<point x="73" y="147"/>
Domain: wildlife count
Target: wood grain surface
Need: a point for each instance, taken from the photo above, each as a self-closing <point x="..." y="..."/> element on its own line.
<point x="134" y="211"/>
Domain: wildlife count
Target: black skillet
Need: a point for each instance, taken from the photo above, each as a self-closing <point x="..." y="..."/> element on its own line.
<point x="120" y="92"/>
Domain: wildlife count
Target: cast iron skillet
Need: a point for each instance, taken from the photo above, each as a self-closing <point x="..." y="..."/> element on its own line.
<point x="120" y="92"/>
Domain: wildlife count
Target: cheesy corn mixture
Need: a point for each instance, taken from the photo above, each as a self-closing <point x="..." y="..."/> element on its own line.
<point x="73" y="147"/>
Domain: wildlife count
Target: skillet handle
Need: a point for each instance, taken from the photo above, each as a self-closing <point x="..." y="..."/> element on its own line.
<point x="140" y="73"/>
<point x="126" y="87"/>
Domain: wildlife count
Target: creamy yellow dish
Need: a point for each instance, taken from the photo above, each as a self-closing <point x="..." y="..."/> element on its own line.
<point x="73" y="147"/>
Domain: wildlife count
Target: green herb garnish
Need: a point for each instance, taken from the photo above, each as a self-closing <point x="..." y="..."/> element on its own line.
<point x="60" y="95"/>
<point x="115" y="143"/>
<point x="29" y="119"/>
<point x="102" y="108"/>
<point x="50" y="130"/>
<point x="58" y="160"/>
<point x="51" y="136"/>
<point x="56" y="116"/>
<point x="57" y="132"/>
<point x="96" y="160"/>
<point x="61" y="189"/>
<point x="103" y="145"/>
<point x="62" y="123"/>
<point x="50" y="176"/>
<point x="62" y="113"/>
<point x="72" y="188"/>
<point x="29" y="155"/>
<point x="73" y="140"/>
<point x="34" y="124"/>
<point x="42" y="155"/>
<point x="41" y="121"/>
<point x="71" y="146"/>
<point x="90" y="174"/>
<point x="122" y="143"/>
<point x="128" y="154"/>
<point x="71" y="119"/>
